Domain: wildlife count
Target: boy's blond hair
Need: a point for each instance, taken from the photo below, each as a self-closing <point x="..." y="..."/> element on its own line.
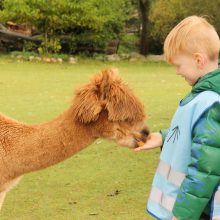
<point x="193" y="34"/>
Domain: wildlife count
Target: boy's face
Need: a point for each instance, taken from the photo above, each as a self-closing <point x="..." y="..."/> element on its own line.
<point x="186" y="66"/>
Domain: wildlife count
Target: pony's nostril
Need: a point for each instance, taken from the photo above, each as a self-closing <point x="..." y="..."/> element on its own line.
<point x="145" y="132"/>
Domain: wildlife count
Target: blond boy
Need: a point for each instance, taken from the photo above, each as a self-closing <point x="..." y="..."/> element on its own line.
<point x="186" y="185"/>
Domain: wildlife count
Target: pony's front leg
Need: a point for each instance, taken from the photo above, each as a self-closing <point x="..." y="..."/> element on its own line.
<point x="6" y="188"/>
<point x="2" y="198"/>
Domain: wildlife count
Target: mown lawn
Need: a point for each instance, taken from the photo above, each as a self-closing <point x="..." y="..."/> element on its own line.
<point x="104" y="181"/>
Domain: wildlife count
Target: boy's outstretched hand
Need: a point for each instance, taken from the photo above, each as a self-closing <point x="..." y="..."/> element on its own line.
<point x="154" y="140"/>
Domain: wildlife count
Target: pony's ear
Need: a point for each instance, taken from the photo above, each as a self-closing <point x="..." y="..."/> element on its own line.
<point x="89" y="100"/>
<point x="104" y="85"/>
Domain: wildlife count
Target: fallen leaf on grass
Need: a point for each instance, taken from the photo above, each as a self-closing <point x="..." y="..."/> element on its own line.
<point x="93" y="213"/>
<point x="115" y="193"/>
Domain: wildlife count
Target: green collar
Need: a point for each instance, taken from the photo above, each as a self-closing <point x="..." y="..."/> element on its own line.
<point x="209" y="82"/>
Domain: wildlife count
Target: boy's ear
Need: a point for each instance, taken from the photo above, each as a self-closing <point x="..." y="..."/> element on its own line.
<point x="200" y="60"/>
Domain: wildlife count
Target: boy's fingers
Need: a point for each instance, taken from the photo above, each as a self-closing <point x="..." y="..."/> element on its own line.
<point x="140" y="148"/>
<point x="137" y="149"/>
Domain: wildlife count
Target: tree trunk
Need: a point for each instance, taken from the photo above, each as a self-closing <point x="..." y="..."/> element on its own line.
<point x="144" y="10"/>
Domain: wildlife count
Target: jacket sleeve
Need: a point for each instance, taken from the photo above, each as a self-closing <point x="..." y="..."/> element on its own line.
<point x="203" y="172"/>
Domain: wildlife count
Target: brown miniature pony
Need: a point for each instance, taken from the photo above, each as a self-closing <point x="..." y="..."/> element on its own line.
<point x="104" y="108"/>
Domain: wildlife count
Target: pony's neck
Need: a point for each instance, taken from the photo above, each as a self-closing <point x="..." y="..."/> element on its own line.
<point x="44" y="145"/>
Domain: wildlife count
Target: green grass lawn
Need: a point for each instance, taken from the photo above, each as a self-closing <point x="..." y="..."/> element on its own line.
<point x="104" y="181"/>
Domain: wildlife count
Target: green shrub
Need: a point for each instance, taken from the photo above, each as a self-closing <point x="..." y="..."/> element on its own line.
<point x="129" y="43"/>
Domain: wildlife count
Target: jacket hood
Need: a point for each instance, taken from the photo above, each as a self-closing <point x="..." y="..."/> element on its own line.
<point x="209" y="82"/>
